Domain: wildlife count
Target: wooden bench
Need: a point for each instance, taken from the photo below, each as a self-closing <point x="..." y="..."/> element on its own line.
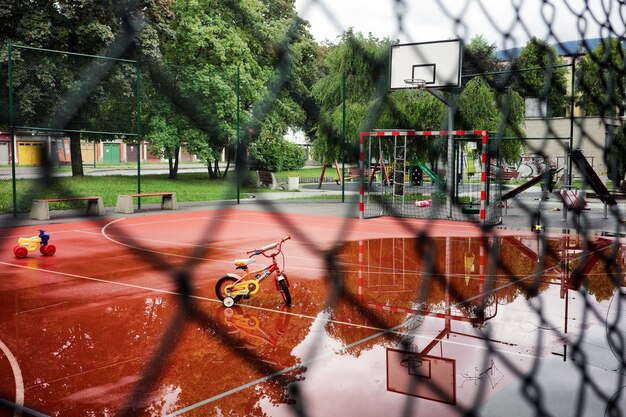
<point x="40" y="209"/>
<point x="267" y="179"/>
<point x="510" y="175"/>
<point x="125" y="201"/>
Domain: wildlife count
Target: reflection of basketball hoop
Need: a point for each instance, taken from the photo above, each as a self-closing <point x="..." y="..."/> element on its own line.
<point x="413" y="362"/>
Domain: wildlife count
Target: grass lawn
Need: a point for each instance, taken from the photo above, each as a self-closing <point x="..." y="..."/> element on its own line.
<point x="188" y="187"/>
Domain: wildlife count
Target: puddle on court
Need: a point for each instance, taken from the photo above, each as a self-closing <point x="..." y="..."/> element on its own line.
<point x="81" y="347"/>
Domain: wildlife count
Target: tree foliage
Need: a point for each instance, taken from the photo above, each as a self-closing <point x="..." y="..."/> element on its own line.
<point x="479" y="57"/>
<point x="601" y="83"/>
<point x="365" y="61"/>
<point x="276" y="154"/>
<point x="271" y="48"/>
<point x="546" y="83"/>
<point x="601" y="79"/>
<point x="87" y="27"/>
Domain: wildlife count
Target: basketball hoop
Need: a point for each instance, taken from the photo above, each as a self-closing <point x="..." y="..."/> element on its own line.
<point x="414" y="88"/>
<point x="415" y="84"/>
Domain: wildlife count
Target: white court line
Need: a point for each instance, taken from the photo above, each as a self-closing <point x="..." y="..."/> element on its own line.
<point x="104" y="233"/>
<point x="17" y="376"/>
<point x="197" y="297"/>
<point x="317" y="229"/>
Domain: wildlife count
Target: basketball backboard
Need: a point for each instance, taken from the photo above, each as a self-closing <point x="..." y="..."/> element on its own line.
<point x="437" y="63"/>
<point x="424" y="376"/>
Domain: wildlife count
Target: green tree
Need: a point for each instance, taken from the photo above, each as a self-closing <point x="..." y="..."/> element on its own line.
<point x="482" y="107"/>
<point x="601" y="83"/>
<point x="614" y="156"/>
<point x="87" y="27"/>
<point x="488" y="101"/>
<point x="270" y="46"/>
<point x="601" y="80"/>
<point x="365" y="61"/>
<point x="276" y="154"/>
<point x="548" y="84"/>
<point x="479" y="57"/>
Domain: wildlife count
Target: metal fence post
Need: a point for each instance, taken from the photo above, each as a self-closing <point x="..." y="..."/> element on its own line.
<point x="138" y="66"/>
<point x="12" y="125"/>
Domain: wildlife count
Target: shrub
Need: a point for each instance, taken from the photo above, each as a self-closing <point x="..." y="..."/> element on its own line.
<point x="276" y="155"/>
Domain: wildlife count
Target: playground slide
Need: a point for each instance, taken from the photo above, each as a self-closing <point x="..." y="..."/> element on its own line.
<point x="436" y="178"/>
<point x="591" y="177"/>
<point x="528" y="184"/>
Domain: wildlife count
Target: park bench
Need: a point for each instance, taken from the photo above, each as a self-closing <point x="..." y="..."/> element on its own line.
<point x="125" y="201"/>
<point x="510" y="175"/>
<point x="267" y="179"/>
<point x="573" y="200"/>
<point x="40" y="209"/>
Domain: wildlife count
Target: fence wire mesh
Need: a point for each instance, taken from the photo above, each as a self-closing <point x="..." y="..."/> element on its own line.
<point x="364" y="281"/>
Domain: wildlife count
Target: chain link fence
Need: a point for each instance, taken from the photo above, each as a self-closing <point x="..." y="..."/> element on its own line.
<point x="54" y="101"/>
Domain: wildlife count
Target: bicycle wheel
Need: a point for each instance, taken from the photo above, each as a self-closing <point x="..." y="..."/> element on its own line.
<point x="220" y="288"/>
<point x="284" y="291"/>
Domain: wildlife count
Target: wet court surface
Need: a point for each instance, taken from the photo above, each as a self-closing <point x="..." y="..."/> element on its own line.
<point x="422" y="327"/>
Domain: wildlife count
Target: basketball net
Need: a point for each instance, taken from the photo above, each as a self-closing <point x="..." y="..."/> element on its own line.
<point x="415" y="87"/>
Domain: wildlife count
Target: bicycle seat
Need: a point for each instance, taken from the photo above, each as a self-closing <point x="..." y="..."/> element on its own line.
<point x="242" y="263"/>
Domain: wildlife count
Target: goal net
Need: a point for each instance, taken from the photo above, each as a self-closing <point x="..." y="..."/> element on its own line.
<point x="406" y="173"/>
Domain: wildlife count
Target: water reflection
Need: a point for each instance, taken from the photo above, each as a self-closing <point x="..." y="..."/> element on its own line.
<point x="261" y="337"/>
<point x="452" y="289"/>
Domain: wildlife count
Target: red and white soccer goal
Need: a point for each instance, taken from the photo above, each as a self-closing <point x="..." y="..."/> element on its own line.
<point x="405" y="173"/>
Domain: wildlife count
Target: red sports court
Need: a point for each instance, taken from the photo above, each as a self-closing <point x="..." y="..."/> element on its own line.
<point x="389" y="317"/>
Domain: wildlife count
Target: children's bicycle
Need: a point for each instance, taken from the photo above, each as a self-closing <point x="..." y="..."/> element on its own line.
<point x="233" y="287"/>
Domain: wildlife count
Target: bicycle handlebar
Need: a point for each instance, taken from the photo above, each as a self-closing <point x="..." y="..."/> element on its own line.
<point x="271" y="246"/>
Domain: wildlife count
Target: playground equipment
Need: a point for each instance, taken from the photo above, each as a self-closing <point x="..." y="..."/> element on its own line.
<point x="29" y="244"/>
<point x="232" y="287"/>
<point x="547" y="177"/>
<point x="573" y="200"/>
<point x="591" y="177"/>
<point x="402" y="196"/>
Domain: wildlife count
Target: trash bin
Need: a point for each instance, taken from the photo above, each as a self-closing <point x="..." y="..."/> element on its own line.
<point x="293" y="183"/>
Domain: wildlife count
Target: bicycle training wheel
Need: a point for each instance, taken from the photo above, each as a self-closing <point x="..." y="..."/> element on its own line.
<point x="220" y="288"/>
<point x="284" y="291"/>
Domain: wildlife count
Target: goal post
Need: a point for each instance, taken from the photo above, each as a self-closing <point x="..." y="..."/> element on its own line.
<point x="395" y="182"/>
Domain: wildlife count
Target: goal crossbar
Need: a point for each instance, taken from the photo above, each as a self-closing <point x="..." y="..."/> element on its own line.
<point x="482" y="134"/>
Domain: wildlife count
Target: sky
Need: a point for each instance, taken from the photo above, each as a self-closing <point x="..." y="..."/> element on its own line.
<point x="432" y="20"/>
